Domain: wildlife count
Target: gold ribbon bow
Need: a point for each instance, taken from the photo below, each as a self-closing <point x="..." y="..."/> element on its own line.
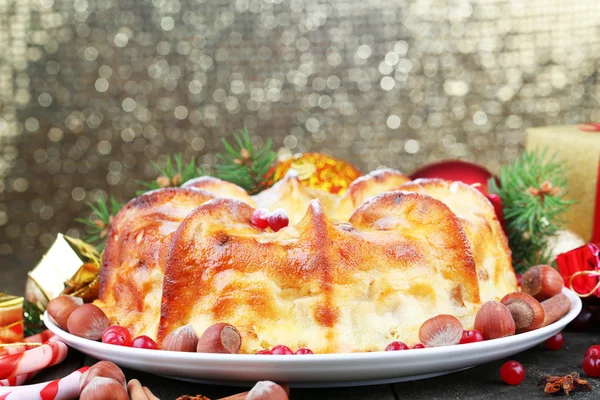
<point x="585" y="273"/>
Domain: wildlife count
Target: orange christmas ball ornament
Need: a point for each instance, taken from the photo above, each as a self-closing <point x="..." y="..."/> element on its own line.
<point x="318" y="170"/>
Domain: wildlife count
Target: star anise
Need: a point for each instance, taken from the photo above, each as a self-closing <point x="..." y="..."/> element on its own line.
<point x="565" y="384"/>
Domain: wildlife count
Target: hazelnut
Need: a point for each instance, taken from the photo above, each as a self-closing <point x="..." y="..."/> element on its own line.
<point x="102" y="388"/>
<point x="87" y="321"/>
<point x="263" y="390"/>
<point x="183" y="338"/>
<point x="526" y="311"/>
<point x="105" y="369"/>
<point x="220" y="338"/>
<point x="267" y="390"/>
<point x="542" y="282"/>
<point x="60" y="308"/>
<point x="441" y="330"/>
<point x="555" y="308"/>
<point x="494" y="321"/>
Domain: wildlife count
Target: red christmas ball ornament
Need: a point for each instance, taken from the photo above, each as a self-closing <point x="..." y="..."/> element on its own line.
<point x="456" y="170"/>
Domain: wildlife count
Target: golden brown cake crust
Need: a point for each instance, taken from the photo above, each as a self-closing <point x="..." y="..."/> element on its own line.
<point x="335" y="287"/>
<point x="367" y="186"/>
<point x="220" y="188"/>
<point x="488" y="242"/>
<point x="134" y="258"/>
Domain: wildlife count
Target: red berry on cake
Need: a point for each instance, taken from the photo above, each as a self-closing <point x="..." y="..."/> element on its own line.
<point x="278" y="219"/>
<point x="260" y="218"/>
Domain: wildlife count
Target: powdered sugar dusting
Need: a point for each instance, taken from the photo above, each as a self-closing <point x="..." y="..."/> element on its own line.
<point x="316" y="207"/>
<point x="279" y="213"/>
<point x="287" y="185"/>
<point x="192" y="182"/>
<point x="383" y="171"/>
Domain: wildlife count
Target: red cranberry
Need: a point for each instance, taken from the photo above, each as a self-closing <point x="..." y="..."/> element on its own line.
<point x="512" y="372"/>
<point x="268" y="352"/>
<point x="418" y="346"/>
<point x="144" y="342"/>
<point x="395" y="346"/>
<point x="556" y="342"/>
<point x="281" y="350"/>
<point x="278" y="219"/>
<point x="304" y="350"/>
<point x="591" y="366"/>
<point x="593" y="351"/>
<point x="117" y="335"/>
<point x="471" y="336"/>
<point x="260" y="218"/>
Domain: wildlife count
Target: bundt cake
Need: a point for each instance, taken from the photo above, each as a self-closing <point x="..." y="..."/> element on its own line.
<point x="488" y="243"/>
<point x="133" y="263"/>
<point x="351" y="272"/>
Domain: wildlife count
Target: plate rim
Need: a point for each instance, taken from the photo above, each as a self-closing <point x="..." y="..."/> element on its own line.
<point x="317" y="370"/>
<point x="77" y="342"/>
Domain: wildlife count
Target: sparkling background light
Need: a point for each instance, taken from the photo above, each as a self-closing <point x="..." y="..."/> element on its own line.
<point x="91" y="91"/>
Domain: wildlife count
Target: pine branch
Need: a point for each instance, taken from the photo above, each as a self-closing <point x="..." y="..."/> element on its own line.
<point x="99" y="221"/>
<point x="172" y="175"/>
<point x="32" y="318"/>
<point x="533" y="199"/>
<point x="244" y="165"/>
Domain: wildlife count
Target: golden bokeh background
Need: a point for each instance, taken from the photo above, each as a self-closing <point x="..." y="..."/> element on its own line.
<point x="92" y="90"/>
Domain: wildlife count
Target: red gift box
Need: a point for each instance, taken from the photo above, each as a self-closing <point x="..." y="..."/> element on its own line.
<point x="580" y="269"/>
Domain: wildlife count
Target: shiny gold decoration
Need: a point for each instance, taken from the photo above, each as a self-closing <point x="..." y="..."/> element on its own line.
<point x="319" y="171"/>
<point x="84" y="283"/>
<point x="70" y="266"/>
<point x="11" y="318"/>
<point x="19" y="344"/>
<point x="580" y="150"/>
<point x="92" y="91"/>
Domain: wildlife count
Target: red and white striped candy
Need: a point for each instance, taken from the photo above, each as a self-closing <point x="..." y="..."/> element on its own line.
<point x="66" y="388"/>
<point x="41" y="337"/>
<point x="32" y="360"/>
<point x="17" y="380"/>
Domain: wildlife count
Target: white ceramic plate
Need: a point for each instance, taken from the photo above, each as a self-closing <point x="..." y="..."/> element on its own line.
<point x="319" y="370"/>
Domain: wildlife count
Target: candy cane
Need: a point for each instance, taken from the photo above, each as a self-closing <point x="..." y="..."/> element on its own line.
<point x="41" y="337"/>
<point x="66" y="388"/>
<point x="18" y="380"/>
<point x="28" y="343"/>
<point x="32" y="360"/>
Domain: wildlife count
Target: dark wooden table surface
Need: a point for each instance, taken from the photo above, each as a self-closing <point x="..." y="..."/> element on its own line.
<point x="481" y="382"/>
